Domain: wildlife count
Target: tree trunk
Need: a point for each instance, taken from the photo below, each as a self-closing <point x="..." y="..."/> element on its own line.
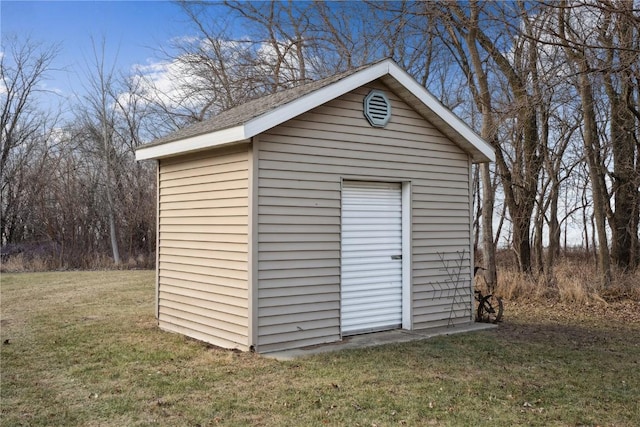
<point x="554" y="228"/>
<point x="114" y="235"/>
<point x="488" y="247"/>
<point x="478" y="205"/>
<point x="113" y="232"/>
<point x="522" y="243"/>
<point x="595" y="173"/>
<point x="538" y="247"/>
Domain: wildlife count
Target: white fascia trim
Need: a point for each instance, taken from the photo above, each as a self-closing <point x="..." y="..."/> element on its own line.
<point x="315" y="99"/>
<point x="454" y="121"/>
<point x="194" y="143"/>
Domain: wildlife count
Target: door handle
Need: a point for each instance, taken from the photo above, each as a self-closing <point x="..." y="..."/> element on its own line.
<point x="396" y="257"/>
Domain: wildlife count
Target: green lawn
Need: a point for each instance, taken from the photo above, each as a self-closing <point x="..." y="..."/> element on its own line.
<point x="82" y="348"/>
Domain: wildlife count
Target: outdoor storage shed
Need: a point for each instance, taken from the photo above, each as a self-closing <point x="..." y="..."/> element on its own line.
<point x="339" y="207"/>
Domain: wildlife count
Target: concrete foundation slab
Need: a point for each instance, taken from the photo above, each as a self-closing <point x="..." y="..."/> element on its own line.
<point x="378" y="338"/>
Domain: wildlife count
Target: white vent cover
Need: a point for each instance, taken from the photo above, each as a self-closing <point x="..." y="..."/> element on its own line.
<point x="377" y="108"/>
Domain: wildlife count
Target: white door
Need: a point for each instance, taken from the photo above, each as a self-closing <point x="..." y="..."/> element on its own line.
<point x="371" y="274"/>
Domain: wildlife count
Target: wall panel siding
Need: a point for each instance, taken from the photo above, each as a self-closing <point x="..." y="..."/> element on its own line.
<point x="301" y="167"/>
<point x="203" y="243"/>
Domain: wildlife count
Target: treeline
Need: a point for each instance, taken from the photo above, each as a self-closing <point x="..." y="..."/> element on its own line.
<point x="554" y="87"/>
<point x="73" y="195"/>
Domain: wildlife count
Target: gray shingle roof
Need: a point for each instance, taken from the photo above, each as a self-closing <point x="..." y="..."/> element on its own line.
<point x="257" y="116"/>
<point x="243" y="113"/>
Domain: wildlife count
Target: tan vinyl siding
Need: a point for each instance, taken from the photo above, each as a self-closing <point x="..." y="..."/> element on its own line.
<point x="203" y="244"/>
<point x="302" y="163"/>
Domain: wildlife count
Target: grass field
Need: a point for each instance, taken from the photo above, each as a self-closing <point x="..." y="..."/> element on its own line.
<point x="82" y="349"/>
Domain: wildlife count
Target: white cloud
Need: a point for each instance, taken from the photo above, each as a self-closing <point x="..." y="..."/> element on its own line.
<point x="216" y="74"/>
<point x="167" y="83"/>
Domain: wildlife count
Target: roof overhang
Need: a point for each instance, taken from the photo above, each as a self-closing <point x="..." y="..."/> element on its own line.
<point x="396" y="78"/>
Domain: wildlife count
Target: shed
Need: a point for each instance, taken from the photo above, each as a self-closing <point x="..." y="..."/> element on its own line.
<point x="339" y="207"/>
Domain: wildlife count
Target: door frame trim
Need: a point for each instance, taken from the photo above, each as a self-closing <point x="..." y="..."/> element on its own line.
<point x="406" y="256"/>
<point x="407" y="279"/>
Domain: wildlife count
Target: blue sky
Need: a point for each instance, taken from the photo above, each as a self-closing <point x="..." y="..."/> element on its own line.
<point x="132" y="30"/>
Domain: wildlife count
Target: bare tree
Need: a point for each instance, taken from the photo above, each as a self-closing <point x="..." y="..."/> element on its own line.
<point x="72" y="191"/>
<point x="576" y="53"/>
<point x="620" y="38"/>
<point x="500" y="83"/>
<point x="26" y="130"/>
<point x="98" y="116"/>
<point x="136" y="198"/>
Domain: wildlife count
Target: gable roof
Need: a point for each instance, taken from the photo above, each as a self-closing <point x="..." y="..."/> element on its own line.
<point x="254" y="117"/>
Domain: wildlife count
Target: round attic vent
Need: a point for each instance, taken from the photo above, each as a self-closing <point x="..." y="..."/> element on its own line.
<point x="377" y="108"/>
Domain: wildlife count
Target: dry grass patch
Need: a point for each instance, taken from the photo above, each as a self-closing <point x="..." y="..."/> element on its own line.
<point x="572" y="281"/>
<point x="28" y="262"/>
<point x="18" y="264"/>
<point x="83" y="350"/>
